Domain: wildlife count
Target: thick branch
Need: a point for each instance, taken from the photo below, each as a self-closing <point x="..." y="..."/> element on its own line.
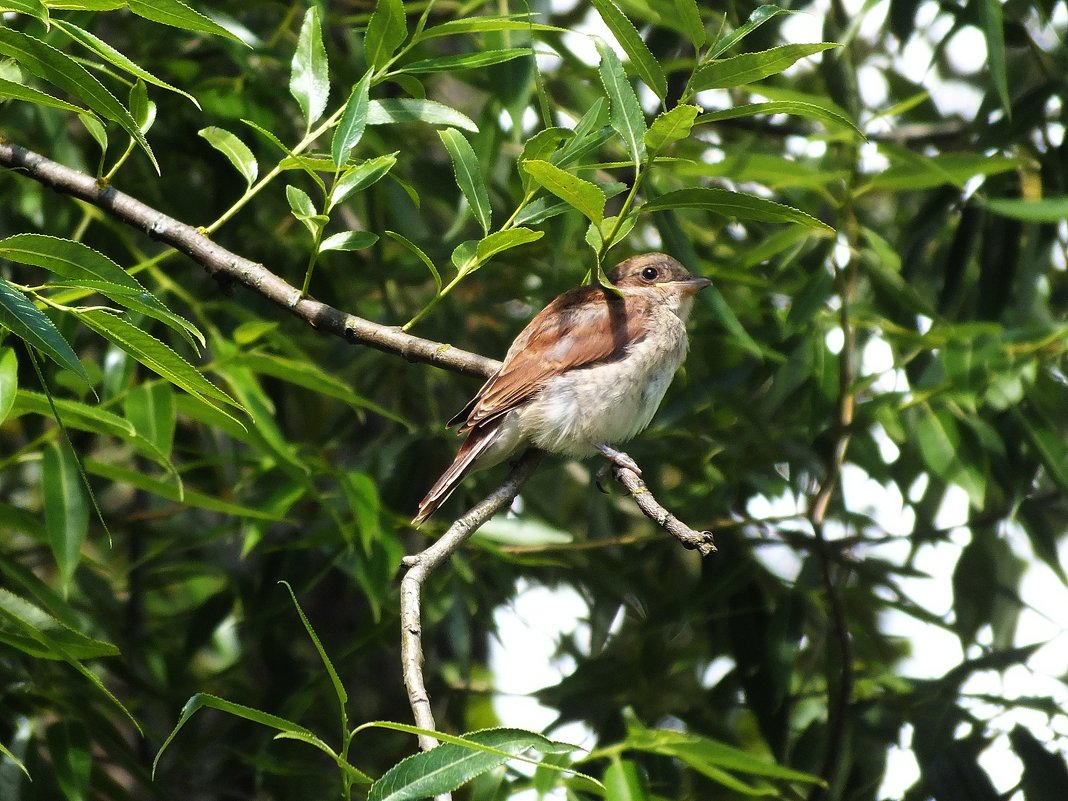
<point x="227" y="265"/>
<point x="421" y="565"/>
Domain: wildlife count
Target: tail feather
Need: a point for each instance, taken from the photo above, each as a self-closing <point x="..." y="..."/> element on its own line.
<point x="474" y="446"/>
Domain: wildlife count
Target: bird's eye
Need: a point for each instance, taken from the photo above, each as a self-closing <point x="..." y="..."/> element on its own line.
<point x="650" y="273"/>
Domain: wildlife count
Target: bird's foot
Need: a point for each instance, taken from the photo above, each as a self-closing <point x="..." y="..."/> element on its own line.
<point x="618" y="458"/>
<point x="604" y="472"/>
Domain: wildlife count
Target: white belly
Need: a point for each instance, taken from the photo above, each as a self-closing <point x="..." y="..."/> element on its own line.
<point x="610" y="403"/>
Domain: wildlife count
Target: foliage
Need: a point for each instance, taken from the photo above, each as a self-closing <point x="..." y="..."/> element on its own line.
<point x="888" y="307"/>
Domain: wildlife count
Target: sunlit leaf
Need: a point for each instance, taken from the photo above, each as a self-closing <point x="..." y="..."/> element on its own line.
<point x="309" y="77"/>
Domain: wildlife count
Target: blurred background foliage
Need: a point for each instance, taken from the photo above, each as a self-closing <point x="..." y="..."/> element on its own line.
<point x="909" y="367"/>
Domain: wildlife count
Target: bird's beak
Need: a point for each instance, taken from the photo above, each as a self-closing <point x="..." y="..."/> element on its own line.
<point x="692" y="284"/>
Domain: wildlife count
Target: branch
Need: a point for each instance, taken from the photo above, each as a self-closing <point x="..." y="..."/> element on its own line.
<point x="694" y="540"/>
<point x="421" y="565"/>
<point x="227" y="266"/>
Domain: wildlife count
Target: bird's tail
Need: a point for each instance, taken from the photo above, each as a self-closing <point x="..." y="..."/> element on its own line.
<point x="474" y="446"/>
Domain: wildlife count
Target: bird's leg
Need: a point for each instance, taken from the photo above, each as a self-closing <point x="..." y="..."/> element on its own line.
<point x="602" y="476"/>
<point x="618" y="458"/>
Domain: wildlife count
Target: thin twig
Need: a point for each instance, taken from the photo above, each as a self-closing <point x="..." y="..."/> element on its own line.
<point x="228" y="266"/>
<point x="700" y="541"/>
<point x="423" y="564"/>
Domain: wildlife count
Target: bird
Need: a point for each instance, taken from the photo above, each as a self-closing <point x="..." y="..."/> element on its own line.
<point x="587" y="373"/>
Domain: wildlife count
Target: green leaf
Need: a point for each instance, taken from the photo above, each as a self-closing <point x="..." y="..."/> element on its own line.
<point x="407" y="109"/>
<point x="353" y="122"/>
<point x="204" y="700"/>
<point x="113" y="56"/>
<point x="386" y="30"/>
<point x="9" y="381"/>
<point x="454" y="27"/>
<point x="641" y="58"/>
<point x="992" y="21"/>
<point x="188" y="497"/>
<point x="70" y="752"/>
<point x="450" y="765"/>
<point x="90" y="269"/>
<point x="468" y="175"/>
<point x="66" y="509"/>
<point x="750" y="67"/>
<point x="671" y="126"/>
<point x="760" y="15"/>
<point x="31" y="8"/>
<point x="465" y="61"/>
<point x="35" y="632"/>
<point x="348" y="240"/>
<point x="235" y="150"/>
<point x="74" y="414"/>
<point x="46" y="62"/>
<point x="178" y="15"/>
<point x="150" y="407"/>
<point x="309" y="79"/>
<point x="418" y="252"/>
<point x="19" y="316"/>
<point x="339" y="687"/>
<point x="360" y="176"/>
<point x="912" y="171"/>
<point x="689" y="15"/>
<point x="153" y="354"/>
<point x="734" y="204"/>
<point x="581" y="194"/>
<point x="500" y="241"/>
<point x="16" y="91"/>
<point x="625" y="114"/>
<point x="622" y="782"/>
<point x="302" y="207"/>
<point x="810" y="110"/>
<point x="1043" y="210"/>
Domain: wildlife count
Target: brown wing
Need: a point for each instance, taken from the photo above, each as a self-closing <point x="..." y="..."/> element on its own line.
<point x="581" y="328"/>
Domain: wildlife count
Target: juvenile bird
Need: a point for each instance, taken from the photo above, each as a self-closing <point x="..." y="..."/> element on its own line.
<point x="587" y="373"/>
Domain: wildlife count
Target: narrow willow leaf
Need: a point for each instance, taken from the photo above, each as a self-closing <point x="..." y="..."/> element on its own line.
<point x="19" y="316"/>
<point x="16" y="91"/>
<point x="349" y="240"/>
<point x="991" y="19"/>
<point x="309" y="79"/>
<point x="641" y="58"/>
<point x="465" y="167"/>
<point x="31" y="8"/>
<point x="138" y="480"/>
<point x="1043" y="210"/>
<point x="386" y="30"/>
<point x="150" y="408"/>
<point x="46" y="62"/>
<point x="113" y="56"/>
<point x="34" y="631"/>
<point x="671" y="126"/>
<point x="9" y="381"/>
<point x="235" y="150"/>
<point x="66" y="509"/>
<point x="690" y="20"/>
<point x="734" y="204"/>
<point x="454" y="27"/>
<point x="178" y="15"/>
<point x="153" y="354"/>
<point x="750" y="67"/>
<point x="622" y="782"/>
<point x="302" y="207"/>
<point x="450" y="765"/>
<point x="74" y="414"/>
<point x="203" y="700"/>
<point x="414" y="248"/>
<point x="625" y="112"/>
<point x="142" y="109"/>
<point x="89" y="269"/>
<point x="583" y="195"/>
<point x="465" y="61"/>
<point x="360" y="176"/>
<point x="810" y="110"/>
<point x="353" y="122"/>
<point x="760" y="15"/>
<point x="500" y="241"/>
<point x="406" y="109"/>
<point x="335" y="679"/>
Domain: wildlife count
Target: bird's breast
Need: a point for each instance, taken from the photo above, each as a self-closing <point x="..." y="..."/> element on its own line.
<point x="609" y="402"/>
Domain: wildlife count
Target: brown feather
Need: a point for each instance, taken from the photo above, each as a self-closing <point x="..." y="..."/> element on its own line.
<point x="475" y="444"/>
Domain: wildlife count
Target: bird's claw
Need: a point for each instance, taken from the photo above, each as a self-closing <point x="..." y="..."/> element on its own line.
<point x="619" y="459"/>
